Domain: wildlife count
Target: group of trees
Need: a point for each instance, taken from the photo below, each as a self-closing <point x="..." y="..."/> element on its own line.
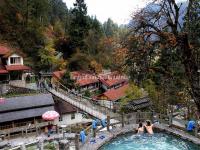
<point x="32" y="26"/>
<point x="160" y="50"/>
<point x="55" y="37"/>
<point x="163" y="45"/>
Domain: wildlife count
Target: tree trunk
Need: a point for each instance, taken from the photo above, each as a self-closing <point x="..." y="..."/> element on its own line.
<point x="191" y="67"/>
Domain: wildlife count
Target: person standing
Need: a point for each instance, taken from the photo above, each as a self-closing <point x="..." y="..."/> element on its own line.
<point x="94" y="126"/>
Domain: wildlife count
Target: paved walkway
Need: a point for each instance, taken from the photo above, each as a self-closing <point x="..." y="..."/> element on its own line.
<point x="16" y="142"/>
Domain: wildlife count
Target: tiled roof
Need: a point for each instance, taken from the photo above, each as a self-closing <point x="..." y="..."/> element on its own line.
<point x="112" y="78"/>
<point x="23" y="114"/>
<point x="16" y="108"/>
<point x="81" y="77"/>
<point x="17" y="67"/>
<point x="25" y="102"/>
<point x="84" y="78"/>
<point x="88" y="81"/>
<point x="139" y="103"/>
<point x="115" y="94"/>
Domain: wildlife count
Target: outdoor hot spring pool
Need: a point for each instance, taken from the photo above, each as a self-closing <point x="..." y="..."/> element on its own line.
<point x="159" y="141"/>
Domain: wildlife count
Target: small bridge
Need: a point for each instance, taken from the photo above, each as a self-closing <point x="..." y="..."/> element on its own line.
<point x="79" y="104"/>
<point x="83" y="103"/>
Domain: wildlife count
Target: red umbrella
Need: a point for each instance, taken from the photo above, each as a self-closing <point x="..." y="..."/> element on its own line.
<point x="2" y="100"/>
<point x="50" y="115"/>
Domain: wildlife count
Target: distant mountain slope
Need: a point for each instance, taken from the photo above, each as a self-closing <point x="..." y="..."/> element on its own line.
<point x="152" y="7"/>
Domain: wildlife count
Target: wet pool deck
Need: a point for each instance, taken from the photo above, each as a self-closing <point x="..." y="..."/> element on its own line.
<point x="129" y="128"/>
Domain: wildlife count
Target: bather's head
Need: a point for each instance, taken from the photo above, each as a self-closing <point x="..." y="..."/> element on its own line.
<point x="140" y="125"/>
<point x="148" y="123"/>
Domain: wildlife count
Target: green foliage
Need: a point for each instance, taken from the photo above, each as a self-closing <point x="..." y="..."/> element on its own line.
<point x="150" y="88"/>
<point x="39" y="26"/>
<point x="110" y="28"/>
<point x="25" y="23"/>
<point x="87" y="93"/>
<point x="68" y="81"/>
<point x="64" y="45"/>
<point x="79" y="61"/>
<point x="79" y="24"/>
<point x="168" y="56"/>
<point x="132" y="93"/>
<point x="49" y="146"/>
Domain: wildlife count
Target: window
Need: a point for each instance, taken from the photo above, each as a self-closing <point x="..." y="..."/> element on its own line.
<point x="60" y="118"/>
<point x="15" y="60"/>
<point x="72" y="116"/>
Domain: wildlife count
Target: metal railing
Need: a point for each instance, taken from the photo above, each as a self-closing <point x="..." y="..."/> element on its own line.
<point x="136" y="117"/>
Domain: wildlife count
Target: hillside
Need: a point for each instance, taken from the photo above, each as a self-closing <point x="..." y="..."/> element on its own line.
<point x="54" y="37"/>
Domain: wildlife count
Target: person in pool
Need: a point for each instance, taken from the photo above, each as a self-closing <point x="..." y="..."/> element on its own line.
<point x="140" y="128"/>
<point x="149" y="127"/>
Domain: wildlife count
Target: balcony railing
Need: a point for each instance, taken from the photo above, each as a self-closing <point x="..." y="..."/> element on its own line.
<point x="22" y="126"/>
<point x="18" y="83"/>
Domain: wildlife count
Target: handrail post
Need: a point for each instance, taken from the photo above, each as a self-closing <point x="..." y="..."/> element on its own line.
<point x="63" y="144"/>
<point x="170" y="119"/>
<point x="138" y="116"/>
<point x="22" y="146"/>
<point x="196" y="129"/>
<point x="94" y="132"/>
<point x="108" y="123"/>
<point x="122" y="119"/>
<point x="77" y="142"/>
<point x="40" y="144"/>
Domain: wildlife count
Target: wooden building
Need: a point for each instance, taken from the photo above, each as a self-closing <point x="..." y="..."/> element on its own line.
<point x="12" y="68"/>
<point x="112" y="80"/>
<point x="83" y="79"/>
<point x="111" y="97"/>
<point x="19" y="114"/>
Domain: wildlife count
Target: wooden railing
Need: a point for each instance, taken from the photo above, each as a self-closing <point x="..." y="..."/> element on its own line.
<point x="23" y="128"/>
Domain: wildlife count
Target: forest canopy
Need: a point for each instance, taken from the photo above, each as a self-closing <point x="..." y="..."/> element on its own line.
<point x="54" y="36"/>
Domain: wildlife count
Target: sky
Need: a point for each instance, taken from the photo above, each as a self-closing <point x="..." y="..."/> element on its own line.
<point x="118" y="10"/>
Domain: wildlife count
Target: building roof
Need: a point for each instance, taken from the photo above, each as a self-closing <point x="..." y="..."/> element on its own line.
<point x="26" y="102"/>
<point x="17" y="108"/>
<point x="139" y="103"/>
<point x="112" y="78"/>
<point x="83" y="78"/>
<point x="115" y="94"/>
<point x="64" y="108"/>
<point x="23" y="114"/>
<point x="17" y="67"/>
